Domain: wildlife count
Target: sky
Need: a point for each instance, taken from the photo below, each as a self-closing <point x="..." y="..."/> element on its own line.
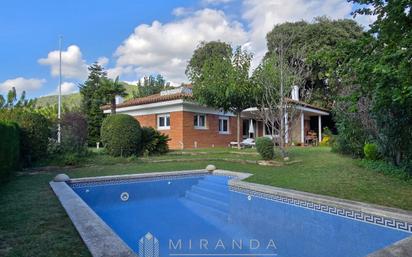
<point x="134" y="38"/>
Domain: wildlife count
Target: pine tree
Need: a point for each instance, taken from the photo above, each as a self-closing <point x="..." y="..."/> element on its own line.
<point x="92" y="99"/>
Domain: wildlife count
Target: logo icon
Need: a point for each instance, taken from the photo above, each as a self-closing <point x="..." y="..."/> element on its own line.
<point x="149" y="246"/>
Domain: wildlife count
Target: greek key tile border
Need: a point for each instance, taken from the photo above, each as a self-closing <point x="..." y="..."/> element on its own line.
<point x="351" y="214"/>
<point x="117" y="181"/>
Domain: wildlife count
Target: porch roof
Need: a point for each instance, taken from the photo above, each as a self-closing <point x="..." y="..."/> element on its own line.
<point x="309" y="109"/>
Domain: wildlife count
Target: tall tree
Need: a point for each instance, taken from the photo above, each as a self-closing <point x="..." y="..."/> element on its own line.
<point x="315" y="42"/>
<point x="274" y="79"/>
<point x="206" y="51"/>
<point x="223" y="83"/>
<point x="111" y="89"/>
<point x="381" y="68"/>
<point x="92" y="100"/>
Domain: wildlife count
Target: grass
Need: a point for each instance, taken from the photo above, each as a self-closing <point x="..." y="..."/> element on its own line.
<point x="32" y="222"/>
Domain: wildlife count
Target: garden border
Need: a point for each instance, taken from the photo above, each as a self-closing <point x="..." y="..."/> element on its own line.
<point x="102" y="241"/>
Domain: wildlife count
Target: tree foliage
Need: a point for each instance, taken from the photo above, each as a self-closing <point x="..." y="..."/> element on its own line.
<point x="74" y="132"/>
<point x="110" y="89"/>
<point x="12" y="102"/>
<point x="315" y="42"/>
<point x="92" y="99"/>
<point x="34" y="134"/>
<point x="204" y="52"/>
<point x="9" y="149"/>
<point x="378" y="79"/>
<point x="150" y="85"/>
<point x="223" y="81"/>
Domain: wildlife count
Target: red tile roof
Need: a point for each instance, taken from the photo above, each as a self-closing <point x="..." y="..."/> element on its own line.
<point x="156" y="98"/>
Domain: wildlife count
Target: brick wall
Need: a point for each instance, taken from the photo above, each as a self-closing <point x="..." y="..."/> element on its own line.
<point x="209" y="137"/>
<point x="183" y="134"/>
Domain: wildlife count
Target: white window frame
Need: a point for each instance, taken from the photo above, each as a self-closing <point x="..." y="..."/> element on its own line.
<point x="197" y="115"/>
<point x="228" y="125"/>
<point x="165" y="116"/>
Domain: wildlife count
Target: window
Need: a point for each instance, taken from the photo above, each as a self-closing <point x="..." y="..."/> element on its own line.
<point x="199" y="121"/>
<point x="163" y="121"/>
<point x="223" y="125"/>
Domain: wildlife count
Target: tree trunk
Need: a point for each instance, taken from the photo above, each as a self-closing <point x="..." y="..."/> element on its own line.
<point x="113" y="106"/>
<point x="238" y="130"/>
<point x="282" y="132"/>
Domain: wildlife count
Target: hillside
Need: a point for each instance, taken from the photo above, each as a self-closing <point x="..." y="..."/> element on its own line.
<point x="72" y="100"/>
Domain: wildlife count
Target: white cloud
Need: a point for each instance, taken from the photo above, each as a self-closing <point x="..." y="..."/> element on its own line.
<point x="73" y="65"/>
<point x="181" y="11"/>
<point x="67" y="88"/>
<point x="103" y="61"/>
<point x="166" y="48"/>
<point x="21" y="84"/>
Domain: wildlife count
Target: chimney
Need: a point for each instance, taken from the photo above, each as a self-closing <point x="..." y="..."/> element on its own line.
<point x="295" y="93"/>
<point x="119" y="100"/>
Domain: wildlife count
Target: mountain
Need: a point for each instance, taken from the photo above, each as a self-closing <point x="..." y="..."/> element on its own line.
<point x="73" y="100"/>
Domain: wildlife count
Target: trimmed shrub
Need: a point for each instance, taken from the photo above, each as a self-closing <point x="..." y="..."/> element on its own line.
<point x="154" y="142"/>
<point x="265" y="148"/>
<point x="74" y="132"/>
<point x="34" y="133"/>
<point x="9" y="149"/>
<point x="371" y="151"/>
<point x="121" y="134"/>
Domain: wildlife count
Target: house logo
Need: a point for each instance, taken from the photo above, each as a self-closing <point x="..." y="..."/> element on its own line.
<point x="148" y="246"/>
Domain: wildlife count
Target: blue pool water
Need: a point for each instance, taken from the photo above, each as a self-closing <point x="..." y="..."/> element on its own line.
<point x="200" y="216"/>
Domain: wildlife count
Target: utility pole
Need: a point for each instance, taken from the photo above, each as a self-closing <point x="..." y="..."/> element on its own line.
<point x="60" y="92"/>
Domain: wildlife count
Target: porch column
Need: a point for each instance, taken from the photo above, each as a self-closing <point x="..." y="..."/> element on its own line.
<point x="286" y="128"/>
<point x="320" y="127"/>
<point x="302" y="127"/>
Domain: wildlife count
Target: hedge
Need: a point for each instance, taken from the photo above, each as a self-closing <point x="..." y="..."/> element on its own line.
<point x="265" y="148"/>
<point x="34" y="133"/>
<point x="121" y="134"/>
<point x="9" y="149"/>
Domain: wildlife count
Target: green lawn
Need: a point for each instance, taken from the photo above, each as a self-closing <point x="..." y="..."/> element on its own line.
<point x="32" y="222"/>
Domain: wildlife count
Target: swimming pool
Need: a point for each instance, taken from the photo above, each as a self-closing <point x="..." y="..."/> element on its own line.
<point x="203" y="215"/>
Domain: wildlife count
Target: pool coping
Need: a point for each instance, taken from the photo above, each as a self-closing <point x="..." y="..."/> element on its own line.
<point x="103" y="241"/>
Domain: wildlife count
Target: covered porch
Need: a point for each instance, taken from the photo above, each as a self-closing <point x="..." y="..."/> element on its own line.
<point x="303" y="127"/>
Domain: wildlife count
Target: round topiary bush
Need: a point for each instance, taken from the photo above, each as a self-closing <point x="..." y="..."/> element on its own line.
<point x="371" y="151"/>
<point x="121" y="134"/>
<point x="34" y="136"/>
<point x="264" y="146"/>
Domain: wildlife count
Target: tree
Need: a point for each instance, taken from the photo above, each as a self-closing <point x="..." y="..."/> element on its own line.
<point x="12" y="100"/>
<point x="316" y="43"/>
<point x="206" y="51"/>
<point x="274" y="79"/>
<point x="151" y="85"/>
<point x="224" y="83"/>
<point x="2" y="101"/>
<point x="379" y="73"/>
<point x="111" y="89"/>
<point x="92" y="100"/>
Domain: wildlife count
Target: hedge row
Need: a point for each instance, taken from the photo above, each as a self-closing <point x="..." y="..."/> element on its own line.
<point x="34" y="133"/>
<point x="9" y="149"/>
